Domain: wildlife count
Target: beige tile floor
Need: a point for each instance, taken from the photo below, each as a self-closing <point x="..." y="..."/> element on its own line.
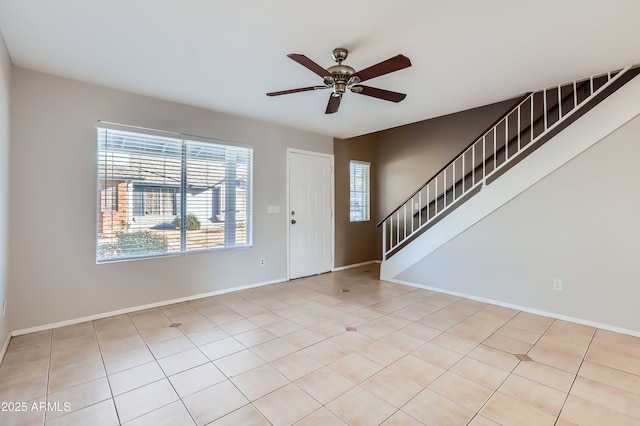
<point x="281" y="355"/>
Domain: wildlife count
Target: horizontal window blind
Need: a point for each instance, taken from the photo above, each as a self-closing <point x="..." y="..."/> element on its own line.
<point x="160" y="194"/>
<point x="360" y="195"/>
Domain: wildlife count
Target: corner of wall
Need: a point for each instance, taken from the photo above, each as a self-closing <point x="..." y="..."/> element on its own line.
<point x="5" y="83"/>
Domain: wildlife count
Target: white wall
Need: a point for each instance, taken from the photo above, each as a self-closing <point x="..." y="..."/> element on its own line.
<point x="53" y="275"/>
<point x="579" y="224"/>
<point x="5" y="77"/>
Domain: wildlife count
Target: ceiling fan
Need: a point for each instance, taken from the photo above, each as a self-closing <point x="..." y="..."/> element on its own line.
<point x="341" y="77"/>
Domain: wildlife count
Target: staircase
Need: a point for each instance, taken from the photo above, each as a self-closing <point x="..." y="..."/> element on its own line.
<point x="535" y="119"/>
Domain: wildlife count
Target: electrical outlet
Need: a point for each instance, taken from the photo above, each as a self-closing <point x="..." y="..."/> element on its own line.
<point x="262" y="261"/>
<point x="557" y="284"/>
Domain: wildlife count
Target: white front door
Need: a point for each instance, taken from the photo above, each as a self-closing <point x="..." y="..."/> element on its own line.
<point x="310" y="213"/>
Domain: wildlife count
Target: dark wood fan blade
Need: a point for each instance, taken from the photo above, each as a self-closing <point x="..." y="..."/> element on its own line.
<point x="309" y="64"/>
<point x="334" y="104"/>
<point x="385" y="67"/>
<point x="387" y="95"/>
<point x="302" y="89"/>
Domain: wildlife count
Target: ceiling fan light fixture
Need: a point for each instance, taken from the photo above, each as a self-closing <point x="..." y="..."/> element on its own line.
<point x="340" y="87"/>
<point x="354" y="79"/>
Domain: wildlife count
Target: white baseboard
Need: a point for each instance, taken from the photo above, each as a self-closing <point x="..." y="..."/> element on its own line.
<point x="524" y="309"/>
<point x="136" y="308"/>
<point x="355" y="265"/>
<point x="229" y="290"/>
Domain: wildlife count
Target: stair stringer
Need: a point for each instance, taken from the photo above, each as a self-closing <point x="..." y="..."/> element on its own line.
<point x="606" y="117"/>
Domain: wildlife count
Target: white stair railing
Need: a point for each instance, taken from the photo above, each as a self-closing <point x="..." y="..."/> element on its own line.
<point x="528" y="122"/>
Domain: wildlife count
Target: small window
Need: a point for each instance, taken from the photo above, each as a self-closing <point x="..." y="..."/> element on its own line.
<point x="159" y="201"/>
<point x="109" y="197"/>
<point x="360" y="196"/>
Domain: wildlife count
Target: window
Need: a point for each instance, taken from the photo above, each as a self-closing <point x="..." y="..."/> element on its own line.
<point x="159" y="201"/>
<point x="359" y="172"/>
<point x="163" y="193"/>
<point x="109" y="197"/>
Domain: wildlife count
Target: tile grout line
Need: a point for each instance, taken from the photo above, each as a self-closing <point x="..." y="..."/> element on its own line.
<point x="146" y="346"/>
<point x="293" y="382"/>
<point x="406" y="355"/>
<point x="520" y="361"/>
<point x="385" y="314"/>
<point x="495" y="391"/>
<point x="216" y="324"/>
<point x="80" y="384"/>
<point x="46" y="393"/>
<point x="269" y="364"/>
<point x="166" y="377"/>
<point x="185" y="335"/>
<point x="576" y="375"/>
<point x="211" y="362"/>
<point x="106" y="375"/>
<point x="448" y="369"/>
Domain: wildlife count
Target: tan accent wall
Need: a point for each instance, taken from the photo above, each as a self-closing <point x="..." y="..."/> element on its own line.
<point x="355" y="241"/>
<point x="410" y="155"/>
<point x="401" y="159"/>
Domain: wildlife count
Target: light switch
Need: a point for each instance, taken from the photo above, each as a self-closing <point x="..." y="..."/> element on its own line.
<point x="273" y="209"/>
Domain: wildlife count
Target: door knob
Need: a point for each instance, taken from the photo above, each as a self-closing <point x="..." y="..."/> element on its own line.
<point x="293" y="221"/>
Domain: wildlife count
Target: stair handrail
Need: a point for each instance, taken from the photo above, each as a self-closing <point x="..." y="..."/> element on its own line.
<point x="492" y="131"/>
<point x="517" y="103"/>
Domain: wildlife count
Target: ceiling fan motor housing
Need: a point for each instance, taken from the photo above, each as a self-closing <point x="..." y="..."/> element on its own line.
<point x="342" y="76"/>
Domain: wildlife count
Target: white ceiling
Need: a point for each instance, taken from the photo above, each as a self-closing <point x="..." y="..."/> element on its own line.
<point x="226" y="54"/>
